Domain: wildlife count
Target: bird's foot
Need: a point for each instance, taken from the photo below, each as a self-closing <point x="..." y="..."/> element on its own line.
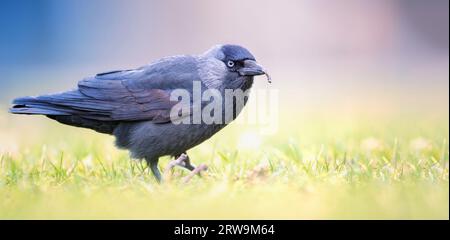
<point x="184" y="161"/>
<point x="197" y="170"/>
<point x="180" y="161"/>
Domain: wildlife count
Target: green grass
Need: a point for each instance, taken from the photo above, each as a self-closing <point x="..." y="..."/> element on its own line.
<point x="322" y="168"/>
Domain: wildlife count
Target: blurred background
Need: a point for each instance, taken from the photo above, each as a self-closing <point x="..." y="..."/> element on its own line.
<point x="351" y="57"/>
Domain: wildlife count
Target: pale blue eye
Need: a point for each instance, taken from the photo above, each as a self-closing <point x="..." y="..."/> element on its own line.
<point x="230" y="64"/>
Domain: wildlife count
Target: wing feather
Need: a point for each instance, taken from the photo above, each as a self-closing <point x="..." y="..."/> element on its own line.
<point x="129" y="95"/>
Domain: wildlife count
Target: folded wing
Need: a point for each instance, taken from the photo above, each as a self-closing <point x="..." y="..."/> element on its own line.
<point x="130" y="95"/>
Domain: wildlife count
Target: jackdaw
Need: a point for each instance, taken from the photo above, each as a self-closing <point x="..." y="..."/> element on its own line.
<point x="136" y="105"/>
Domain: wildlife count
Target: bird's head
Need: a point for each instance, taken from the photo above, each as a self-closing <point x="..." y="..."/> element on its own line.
<point x="232" y="64"/>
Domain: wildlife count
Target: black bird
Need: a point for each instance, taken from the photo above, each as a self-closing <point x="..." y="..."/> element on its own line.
<point x="135" y="105"/>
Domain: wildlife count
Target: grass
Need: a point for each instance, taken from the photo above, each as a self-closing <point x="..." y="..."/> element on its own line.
<point x="344" y="168"/>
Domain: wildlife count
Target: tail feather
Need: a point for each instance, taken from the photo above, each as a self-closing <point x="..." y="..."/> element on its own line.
<point x="33" y="105"/>
<point x="34" y="111"/>
<point x="63" y="108"/>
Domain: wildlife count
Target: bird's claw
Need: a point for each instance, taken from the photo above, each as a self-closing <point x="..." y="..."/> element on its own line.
<point x="202" y="167"/>
<point x="184" y="161"/>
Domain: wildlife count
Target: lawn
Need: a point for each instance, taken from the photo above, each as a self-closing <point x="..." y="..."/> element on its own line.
<point x="314" y="167"/>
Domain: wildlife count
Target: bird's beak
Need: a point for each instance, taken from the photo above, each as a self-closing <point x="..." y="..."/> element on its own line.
<point x="252" y="68"/>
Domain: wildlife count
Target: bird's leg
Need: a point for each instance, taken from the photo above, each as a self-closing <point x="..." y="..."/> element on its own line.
<point x="154" y="167"/>
<point x="194" y="170"/>
<point x="187" y="163"/>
